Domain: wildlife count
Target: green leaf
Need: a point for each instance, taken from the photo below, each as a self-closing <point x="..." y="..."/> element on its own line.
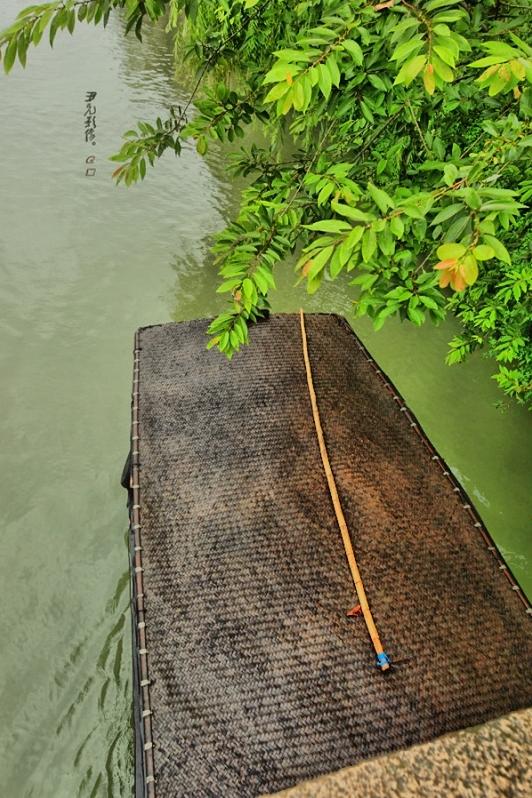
<point x="447" y="213"/>
<point x="306" y="83"/>
<point x="276" y="92"/>
<point x="369" y="244"/>
<point x="280" y="72"/>
<point x="337" y="264"/>
<point x="334" y="72"/>
<point x="299" y="95"/>
<point x="457" y="228"/>
<point x="442" y="70"/>
<point x="365" y="280"/>
<point x="349" y="212"/>
<point x="10" y="55"/>
<point x="448" y="16"/>
<point x="450" y="173"/>
<point x="248" y="289"/>
<point x="43" y="22"/>
<point x="428" y="302"/>
<point x="397" y="226"/>
<point x="22" y="46"/>
<point x="224" y="340"/>
<point x="228" y="285"/>
<point x="380" y="198"/>
<point x="501" y="50"/>
<point x="432" y="5"/>
<point x="71" y="23"/>
<point x="406" y="49"/>
<point x="354" y="50"/>
<point x="202" y="145"/>
<point x="489" y="60"/>
<point x="260" y="282"/>
<point x="410" y="70"/>
<point x="285" y="103"/>
<point x="416" y="316"/>
<point x="314" y="283"/>
<point x="329" y="226"/>
<point x="325" y="192"/>
<point x="377" y="82"/>
<point x="446" y="55"/>
<point x="352" y="240"/>
<point x="417" y="205"/>
<point x="366" y="112"/>
<point x="484" y="252"/>
<point x="386" y="242"/>
<point x="401" y="294"/>
<point x="289" y="54"/>
<point x="472" y="198"/>
<point x="319" y="262"/>
<point x="499" y="249"/>
<point x="324" y="81"/>
<point x="383" y="314"/>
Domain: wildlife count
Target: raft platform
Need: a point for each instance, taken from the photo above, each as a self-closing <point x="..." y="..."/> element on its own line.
<point x="250" y="677"/>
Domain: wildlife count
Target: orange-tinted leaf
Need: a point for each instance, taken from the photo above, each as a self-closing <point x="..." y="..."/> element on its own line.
<point x="445" y="279"/>
<point x="429" y="80"/>
<point x="450" y="263"/>
<point x="457" y="281"/>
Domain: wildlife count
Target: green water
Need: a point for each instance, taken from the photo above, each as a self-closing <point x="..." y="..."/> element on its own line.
<point x="82" y="265"/>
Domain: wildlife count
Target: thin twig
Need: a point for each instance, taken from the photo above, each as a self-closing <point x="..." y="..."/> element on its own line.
<point x="420" y="132"/>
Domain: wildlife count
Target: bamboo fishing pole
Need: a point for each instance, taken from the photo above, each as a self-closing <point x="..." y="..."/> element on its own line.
<point x="383" y="661"/>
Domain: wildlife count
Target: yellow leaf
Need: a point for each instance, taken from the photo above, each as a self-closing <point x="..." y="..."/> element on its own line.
<point x="469" y="269"/>
<point x="446" y="251"/>
<point x="428" y="79"/>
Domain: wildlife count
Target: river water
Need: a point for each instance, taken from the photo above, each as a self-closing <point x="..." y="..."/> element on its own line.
<point x="82" y="265"/>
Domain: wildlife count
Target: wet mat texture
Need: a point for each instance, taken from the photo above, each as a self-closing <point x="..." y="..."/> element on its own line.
<point x="258" y="678"/>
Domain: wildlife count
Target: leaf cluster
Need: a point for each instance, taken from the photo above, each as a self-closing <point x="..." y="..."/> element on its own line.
<point x="399" y="152"/>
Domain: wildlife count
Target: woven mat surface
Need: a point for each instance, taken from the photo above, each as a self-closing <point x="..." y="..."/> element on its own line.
<point x="490" y="761"/>
<point x="259" y="680"/>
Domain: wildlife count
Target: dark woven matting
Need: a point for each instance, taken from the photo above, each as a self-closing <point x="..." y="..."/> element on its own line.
<point x="254" y="677"/>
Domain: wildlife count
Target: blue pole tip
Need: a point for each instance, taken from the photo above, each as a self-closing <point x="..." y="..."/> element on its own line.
<point x="383" y="661"/>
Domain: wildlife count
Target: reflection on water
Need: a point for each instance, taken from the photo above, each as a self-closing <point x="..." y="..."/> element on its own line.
<point x="82" y="265"/>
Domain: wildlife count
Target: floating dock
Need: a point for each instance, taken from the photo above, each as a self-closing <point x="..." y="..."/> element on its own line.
<point x="250" y="676"/>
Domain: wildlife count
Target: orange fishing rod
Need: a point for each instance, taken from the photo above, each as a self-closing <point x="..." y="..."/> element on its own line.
<point x="383" y="661"/>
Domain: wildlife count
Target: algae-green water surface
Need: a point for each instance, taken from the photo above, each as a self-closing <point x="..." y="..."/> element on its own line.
<point x="82" y="265"/>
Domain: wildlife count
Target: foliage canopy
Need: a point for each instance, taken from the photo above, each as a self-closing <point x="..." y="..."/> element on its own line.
<point x="408" y="131"/>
